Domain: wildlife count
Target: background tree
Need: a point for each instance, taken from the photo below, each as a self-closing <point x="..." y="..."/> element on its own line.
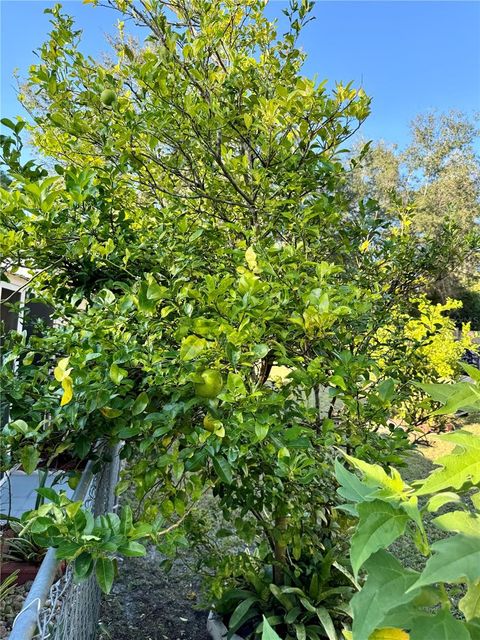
<point x="438" y="175"/>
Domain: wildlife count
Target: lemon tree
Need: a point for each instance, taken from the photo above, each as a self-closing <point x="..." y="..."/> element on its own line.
<point x="191" y="229"/>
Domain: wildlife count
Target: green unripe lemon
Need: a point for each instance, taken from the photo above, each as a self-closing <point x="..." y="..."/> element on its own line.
<point x="211" y="386"/>
<point x="209" y="423"/>
<point x="108" y="97"/>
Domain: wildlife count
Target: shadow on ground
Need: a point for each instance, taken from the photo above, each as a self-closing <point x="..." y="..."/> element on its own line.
<point x="148" y="604"/>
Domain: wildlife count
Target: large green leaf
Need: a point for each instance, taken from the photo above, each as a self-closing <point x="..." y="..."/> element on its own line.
<point x="238" y="616"/>
<point x="459" y="467"/>
<point x="461" y="395"/>
<point x="375" y="476"/>
<point x="473" y="628"/>
<point x="473" y="372"/>
<point x="83" y="565"/>
<point x="385" y="589"/>
<point x="455" y="558"/>
<point x="132" y="550"/>
<point x="378" y="526"/>
<point x="438" y="500"/>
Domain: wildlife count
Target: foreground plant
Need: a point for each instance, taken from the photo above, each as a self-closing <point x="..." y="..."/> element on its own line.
<point x="397" y="602"/>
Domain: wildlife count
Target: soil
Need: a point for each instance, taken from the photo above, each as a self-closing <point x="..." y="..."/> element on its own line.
<point x="146" y="603"/>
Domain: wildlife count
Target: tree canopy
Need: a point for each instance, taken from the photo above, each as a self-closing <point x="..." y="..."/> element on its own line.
<point x="438" y="175"/>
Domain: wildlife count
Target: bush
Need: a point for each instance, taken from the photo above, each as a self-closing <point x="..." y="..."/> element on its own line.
<point x="419" y="604"/>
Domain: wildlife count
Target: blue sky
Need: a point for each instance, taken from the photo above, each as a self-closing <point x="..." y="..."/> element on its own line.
<point x="409" y="56"/>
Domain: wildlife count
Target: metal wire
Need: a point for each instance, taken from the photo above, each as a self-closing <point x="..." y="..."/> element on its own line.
<point x="70" y="612"/>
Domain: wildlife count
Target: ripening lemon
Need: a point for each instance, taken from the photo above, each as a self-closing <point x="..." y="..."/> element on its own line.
<point x="108" y="97"/>
<point x="210" y="424"/>
<point x="211" y="386"/>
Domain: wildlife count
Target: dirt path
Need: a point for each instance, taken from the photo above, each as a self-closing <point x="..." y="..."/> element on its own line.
<point x="148" y="604"/>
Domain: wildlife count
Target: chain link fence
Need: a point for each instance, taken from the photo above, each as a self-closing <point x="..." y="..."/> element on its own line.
<point x="61" y="609"/>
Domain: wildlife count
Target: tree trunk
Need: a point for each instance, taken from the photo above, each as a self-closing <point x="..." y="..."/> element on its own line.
<point x="280" y="551"/>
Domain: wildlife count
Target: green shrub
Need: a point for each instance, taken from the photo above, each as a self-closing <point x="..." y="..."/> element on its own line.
<point x="396" y="601"/>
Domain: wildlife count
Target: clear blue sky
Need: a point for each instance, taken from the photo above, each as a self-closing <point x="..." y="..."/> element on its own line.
<point x="409" y="56"/>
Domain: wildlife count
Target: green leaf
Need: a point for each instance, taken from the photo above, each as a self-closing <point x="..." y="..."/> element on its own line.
<point x="8" y="123"/>
<point x="140" y="403"/>
<point x="83" y="565"/>
<point x="460" y="522"/>
<point x="192" y="346"/>
<point x="49" y="494"/>
<point x="29" y="458"/>
<point x="473" y="372"/>
<point x="300" y="631"/>
<point x="260" y="350"/>
<point x="235" y="385"/>
<point x="442" y="626"/>
<point x="105" y="572"/>
<point x="117" y="374"/>
<point x="379" y="525"/>
<point x="440" y="499"/>
<point x="283" y="598"/>
<point x="386" y="389"/>
<point x="327" y="623"/>
<point x="68" y="550"/>
<point x="20" y="425"/>
<point x="459" y="467"/>
<point x="461" y="395"/>
<point x="375" y="476"/>
<point x="261" y="431"/>
<point x="156" y="291"/>
<point x="110" y="413"/>
<point x="475" y="498"/>
<point x="237" y="617"/>
<point x="454" y="558"/>
<point x="268" y="633"/>
<point x="469" y="605"/>
<point x="351" y="487"/>
<point x="132" y="550"/>
<point x="385" y="589"/>
<point x="473" y="628"/>
<point x="222" y="469"/>
<point x="28" y="359"/>
<point x="126" y="519"/>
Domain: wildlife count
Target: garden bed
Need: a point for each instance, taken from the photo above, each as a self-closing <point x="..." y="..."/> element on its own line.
<point x="147" y="603"/>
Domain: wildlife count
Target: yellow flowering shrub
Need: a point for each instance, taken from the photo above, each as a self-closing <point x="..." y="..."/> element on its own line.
<point x="436" y="333"/>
